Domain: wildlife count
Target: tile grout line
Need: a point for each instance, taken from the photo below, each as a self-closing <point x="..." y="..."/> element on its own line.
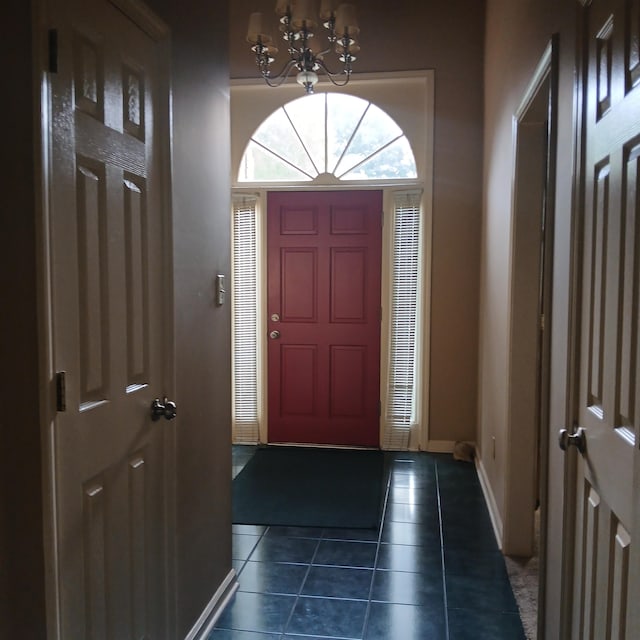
<point x="378" y="543"/>
<point x="444" y="580"/>
<point x="299" y="593"/>
<point x="255" y="546"/>
<point x="244" y="562"/>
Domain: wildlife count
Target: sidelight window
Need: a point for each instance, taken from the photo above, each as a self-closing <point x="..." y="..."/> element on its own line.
<point x="245" y="321"/>
<point x="402" y="389"/>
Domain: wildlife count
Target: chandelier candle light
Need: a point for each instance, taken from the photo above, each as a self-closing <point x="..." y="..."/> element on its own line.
<point x="298" y="24"/>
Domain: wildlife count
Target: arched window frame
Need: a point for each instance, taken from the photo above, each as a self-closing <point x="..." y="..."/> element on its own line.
<point x="328" y="137"/>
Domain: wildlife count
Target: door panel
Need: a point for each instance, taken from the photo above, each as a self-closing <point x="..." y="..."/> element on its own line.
<point x="299" y="285"/>
<point x="348" y="376"/>
<point x="609" y="356"/>
<point x="324" y="256"/>
<point x="109" y="268"/>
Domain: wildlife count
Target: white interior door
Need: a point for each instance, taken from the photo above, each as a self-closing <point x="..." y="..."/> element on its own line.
<point x="110" y="262"/>
<point x="609" y="392"/>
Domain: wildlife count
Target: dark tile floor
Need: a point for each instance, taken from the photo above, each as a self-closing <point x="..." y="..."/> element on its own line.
<point x="433" y="570"/>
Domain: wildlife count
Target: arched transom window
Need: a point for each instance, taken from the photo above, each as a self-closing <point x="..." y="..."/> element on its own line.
<point x="327" y="137"/>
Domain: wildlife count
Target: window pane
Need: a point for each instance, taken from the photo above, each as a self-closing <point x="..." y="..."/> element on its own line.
<point x="375" y="131"/>
<point x="259" y="165"/>
<point x="396" y="161"/>
<point x="343" y="115"/>
<point x="308" y="117"/>
<point x="404" y="323"/>
<point x="244" y="292"/>
<point x="277" y="135"/>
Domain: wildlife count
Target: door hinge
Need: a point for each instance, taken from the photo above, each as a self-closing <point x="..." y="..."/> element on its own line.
<point x="379" y="408"/>
<point x="53" y="51"/>
<point x="542" y="322"/>
<point x="61" y="391"/>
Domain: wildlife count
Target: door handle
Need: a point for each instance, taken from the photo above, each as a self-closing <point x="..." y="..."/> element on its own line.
<point x="163" y="409"/>
<point x="577" y="439"/>
<point x="274" y="335"/>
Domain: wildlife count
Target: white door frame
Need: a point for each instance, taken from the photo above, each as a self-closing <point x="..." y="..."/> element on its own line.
<point x="533" y="195"/>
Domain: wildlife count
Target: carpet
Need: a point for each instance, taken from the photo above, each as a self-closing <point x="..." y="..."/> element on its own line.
<point x="524" y="577"/>
<point x="311" y="487"/>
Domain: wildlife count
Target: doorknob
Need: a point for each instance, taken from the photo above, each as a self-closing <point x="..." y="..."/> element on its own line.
<point x="577" y="439"/>
<point x="274" y="335"/>
<point x="163" y="409"/>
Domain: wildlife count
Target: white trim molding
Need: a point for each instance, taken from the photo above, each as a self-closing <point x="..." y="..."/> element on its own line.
<point x="212" y="612"/>
<point x="490" y="499"/>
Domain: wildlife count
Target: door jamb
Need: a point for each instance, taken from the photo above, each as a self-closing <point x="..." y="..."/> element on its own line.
<point x="544" y="85"/>
<point x="529" y="129"/>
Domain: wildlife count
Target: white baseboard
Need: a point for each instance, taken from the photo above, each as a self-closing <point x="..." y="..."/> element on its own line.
<point x="212" y="612"/>
<point x="492" y="505"/>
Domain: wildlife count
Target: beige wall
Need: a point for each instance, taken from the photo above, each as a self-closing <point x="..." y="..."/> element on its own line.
<point x="446" y="37"/>
<point x="516" y="37"/>
<point x="201" y="205"/>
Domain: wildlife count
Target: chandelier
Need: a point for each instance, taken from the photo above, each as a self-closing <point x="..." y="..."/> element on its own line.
<point x="298" y="23"/>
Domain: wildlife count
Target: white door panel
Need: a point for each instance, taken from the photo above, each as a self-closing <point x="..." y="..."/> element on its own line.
<point x="608" y="398"/>
<point x="111" y="331"/>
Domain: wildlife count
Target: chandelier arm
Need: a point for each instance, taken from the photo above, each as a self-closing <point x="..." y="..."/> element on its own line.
<point x="279" y="77"/>
<point x="331" y="75"/>
<point x="335" y="82"/>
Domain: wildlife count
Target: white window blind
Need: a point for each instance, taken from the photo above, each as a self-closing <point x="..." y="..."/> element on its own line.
<point x="401" y="400"/>
<point x="245" y="328"/>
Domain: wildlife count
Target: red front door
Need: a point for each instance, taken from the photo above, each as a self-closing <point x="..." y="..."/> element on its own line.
<point x="324" y="257"/>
